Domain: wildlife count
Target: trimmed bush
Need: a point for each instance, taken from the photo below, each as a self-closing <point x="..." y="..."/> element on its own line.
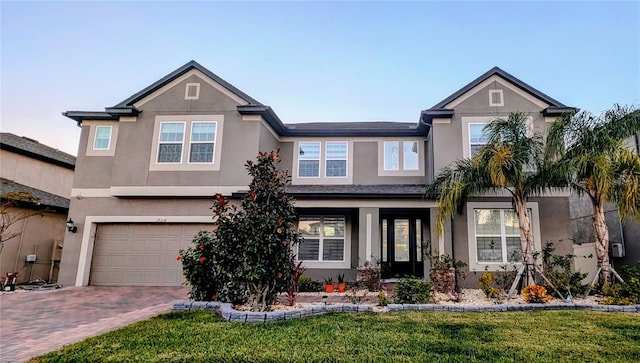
<point x="413" y="291"/>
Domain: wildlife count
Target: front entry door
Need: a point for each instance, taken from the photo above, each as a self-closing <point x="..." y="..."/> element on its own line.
<point x="401" y="238"/>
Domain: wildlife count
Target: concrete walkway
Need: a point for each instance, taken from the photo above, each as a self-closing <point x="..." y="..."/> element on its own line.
<point x="36" y="322"/>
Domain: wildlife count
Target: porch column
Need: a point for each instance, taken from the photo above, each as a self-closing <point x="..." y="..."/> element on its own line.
<point x="368" y="235"/>
<point x="440" y="243"/>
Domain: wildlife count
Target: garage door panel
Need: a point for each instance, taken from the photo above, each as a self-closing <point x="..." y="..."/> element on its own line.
<point x="141" y="254"/>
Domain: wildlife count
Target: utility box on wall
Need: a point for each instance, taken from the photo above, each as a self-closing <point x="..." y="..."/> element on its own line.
<point x="617" y="250"/>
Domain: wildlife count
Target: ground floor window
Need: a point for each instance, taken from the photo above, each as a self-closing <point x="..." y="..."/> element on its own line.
<point x="497" y="235"/>
<point x="324" y="238"/>
<point x="494" y="234"/>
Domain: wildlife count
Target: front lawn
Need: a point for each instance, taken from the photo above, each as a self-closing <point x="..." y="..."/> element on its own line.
<point x="545" y="336"/>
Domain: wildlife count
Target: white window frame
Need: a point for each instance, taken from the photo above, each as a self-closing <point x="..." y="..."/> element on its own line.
<point x="384" y="157"/>
<point x="319" y="159"/>
<point x="404" y="160"/>
<point x="191" y="142"/>
<point x="95" y="140"/>
<point x="184" y="164"/>
<point x="345" y="159"/>
<point x="182" y="142"/>
<point x="474" y="264"/>
<point x="400" y="170"/>
<point x="186" y="91"/>
<point x="481" y="144"/>
<point x="493" y="92"/>
<point x="113" y="137"/>
<point x="346" y="253"/>
<point x="322" y="178"/>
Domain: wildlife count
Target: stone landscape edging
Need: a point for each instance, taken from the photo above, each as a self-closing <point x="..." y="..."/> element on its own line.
<point x="227" y="312"/>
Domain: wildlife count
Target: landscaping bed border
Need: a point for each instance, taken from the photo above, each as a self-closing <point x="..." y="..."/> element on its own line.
<point x="227" y="312"/>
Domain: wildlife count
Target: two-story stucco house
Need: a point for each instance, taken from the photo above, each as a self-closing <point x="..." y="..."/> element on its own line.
<point x="34" y="244"/>
<point x="148" y="167"/>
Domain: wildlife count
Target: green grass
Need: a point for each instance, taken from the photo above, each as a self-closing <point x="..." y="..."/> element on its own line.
<point x="545" y="336"/>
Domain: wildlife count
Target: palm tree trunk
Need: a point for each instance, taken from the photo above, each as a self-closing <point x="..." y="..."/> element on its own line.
<point x="601" y="235"/>
<point x="526" y="241"/>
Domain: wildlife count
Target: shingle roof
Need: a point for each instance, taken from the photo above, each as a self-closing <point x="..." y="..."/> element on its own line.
<point x="498" y="71"/>
<point x="398" y="191"/>
<point x="179" y="72"/>
<point x="45" y="198"/>
<point x="32" y="148"/>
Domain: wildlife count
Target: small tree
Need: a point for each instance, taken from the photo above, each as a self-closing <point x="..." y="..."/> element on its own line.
<point x="250" y="252"/>
<point x="14" y="207"/>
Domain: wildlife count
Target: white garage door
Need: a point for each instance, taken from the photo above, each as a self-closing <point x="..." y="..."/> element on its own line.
<point x="141" y="254"/>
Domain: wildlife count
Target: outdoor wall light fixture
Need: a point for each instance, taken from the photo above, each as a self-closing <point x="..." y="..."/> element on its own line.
<point x="71" y="227"/>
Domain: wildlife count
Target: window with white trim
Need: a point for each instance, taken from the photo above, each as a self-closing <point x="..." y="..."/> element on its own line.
<point x="309" y="160"/>
<point x="102" y="140"/>
<point x="477" y="137"/>
<point x="405" y="158"/>
<point x="171" y="142"/>
<point x="322" y="162"/>
<point x="202" y="143"/>
<point x="336" y="159"/>
<point x="324" y="238"/>
<point x="497" y="236"/>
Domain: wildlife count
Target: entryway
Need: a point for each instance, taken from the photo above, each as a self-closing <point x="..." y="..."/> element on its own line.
<point x="401" y="241"/>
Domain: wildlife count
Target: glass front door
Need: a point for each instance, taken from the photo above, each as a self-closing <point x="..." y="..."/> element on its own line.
<point x="401" y="239"/>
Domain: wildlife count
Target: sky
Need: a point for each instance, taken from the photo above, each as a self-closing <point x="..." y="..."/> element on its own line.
<point x="309" y="61"/>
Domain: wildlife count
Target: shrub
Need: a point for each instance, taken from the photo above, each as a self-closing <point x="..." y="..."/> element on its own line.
<point x="627" y="292"/>
<point x="306" y="284"/>
<point x="294" y="284"/>
<point x="383" y="299"/>
<point x="198" y="269"/>
<point x="487" y="280"/>
<point x="413" y="291"/>
<point x="558" y="270"/>
<point x="370" y="276"/>
<point x="445" y="271"/>
<point x="535" y="294"/>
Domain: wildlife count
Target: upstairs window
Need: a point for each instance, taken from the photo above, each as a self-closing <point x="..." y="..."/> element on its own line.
<point x="320" y="162"/>
<point x="410" y="157"/>
<point x="407" y="157"/>
<point x="203" y="136"/>
<point x="336" y="159"/>
<point x="102" y="140"/>
<point x="171" y="141"/>
<point x="477" y="138"/>
<point x="309" y="160"/>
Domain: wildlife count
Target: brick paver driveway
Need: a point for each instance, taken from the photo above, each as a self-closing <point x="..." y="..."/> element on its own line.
<point x="36" y="322"/>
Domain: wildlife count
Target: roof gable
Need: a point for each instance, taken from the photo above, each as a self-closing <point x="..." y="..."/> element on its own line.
<point x="179" y="73"/>
<point x="496" y="71"/>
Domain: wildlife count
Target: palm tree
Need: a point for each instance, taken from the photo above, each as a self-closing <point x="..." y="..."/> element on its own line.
<point x="506" y="163"/>
<point x="591" y="156"/>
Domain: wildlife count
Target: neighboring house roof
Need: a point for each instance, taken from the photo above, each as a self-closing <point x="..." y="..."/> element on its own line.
<point x="556" y="108"/>
<point x="28" y="147"/>
<point x="398" y="191"/>
<point x="45" y="199"/>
